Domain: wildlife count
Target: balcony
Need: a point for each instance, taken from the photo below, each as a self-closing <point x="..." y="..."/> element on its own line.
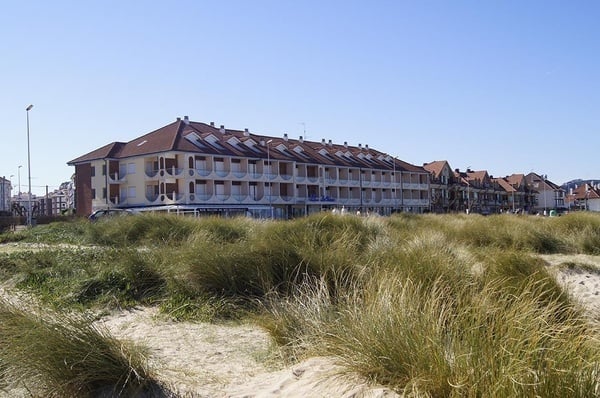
<point x="222" y="197"/>
<point x="116" y="178"/>
<point x="239" y="197"/>
<point x="202" y="196"/>
<point x="173" y="171"/>
<point x="203" y="172"/>
<point x="151" y="173"/>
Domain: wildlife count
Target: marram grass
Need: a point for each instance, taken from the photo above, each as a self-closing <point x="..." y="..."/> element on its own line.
<point x="56" y="355"/>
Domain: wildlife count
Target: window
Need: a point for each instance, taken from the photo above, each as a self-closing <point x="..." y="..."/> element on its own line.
<point x="103" y="169"/>
<point x="93" y="193"/>
<point x="93" y="171"/>
<point x="130" y="168"/>
<point x="103" y="193"/>
<point x="131" y="192"/>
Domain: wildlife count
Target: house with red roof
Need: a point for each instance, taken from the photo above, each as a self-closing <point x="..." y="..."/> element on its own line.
<point x="584" y="197"/>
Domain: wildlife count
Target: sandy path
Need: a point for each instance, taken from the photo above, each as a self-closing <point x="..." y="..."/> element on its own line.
<point x="208" y="360"/>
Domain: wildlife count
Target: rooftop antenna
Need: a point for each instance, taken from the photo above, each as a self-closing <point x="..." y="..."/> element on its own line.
<point x="304" y="130"/>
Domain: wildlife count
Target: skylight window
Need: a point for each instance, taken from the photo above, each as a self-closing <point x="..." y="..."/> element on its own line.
<point x="195" y="139"/>
<point x="142" y="143"/>
<point x="214" y="141"/>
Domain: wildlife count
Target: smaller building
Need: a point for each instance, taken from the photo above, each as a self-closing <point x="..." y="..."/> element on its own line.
<point x="584" y="197"/>
<point x="5" y="194"/>
<point x="548" y="195"/>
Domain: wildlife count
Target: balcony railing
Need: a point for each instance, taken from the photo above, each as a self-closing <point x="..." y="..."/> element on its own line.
<point x="203" y="172"/>
<point x="173" y="171"/>
<point x="116" y="177"/>
<point x="151" y="173"/>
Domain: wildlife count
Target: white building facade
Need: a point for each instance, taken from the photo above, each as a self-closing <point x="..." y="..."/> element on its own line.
<point x="199" y="168"/>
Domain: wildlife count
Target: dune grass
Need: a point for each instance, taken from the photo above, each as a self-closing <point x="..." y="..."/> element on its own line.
<point x="429" y="305"/>
<point x="56" y="355"/>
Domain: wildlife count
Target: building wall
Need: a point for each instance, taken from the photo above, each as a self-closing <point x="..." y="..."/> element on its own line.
<point x="83" y="192"/>
<point x="230" y="182"/>
<point x="5" y="194"/>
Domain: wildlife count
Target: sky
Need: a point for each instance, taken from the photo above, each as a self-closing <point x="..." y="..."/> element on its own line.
<point x="503" y="86"/>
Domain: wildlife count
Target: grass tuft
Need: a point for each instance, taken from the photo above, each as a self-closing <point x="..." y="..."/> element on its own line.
<point x="56" y="355"/>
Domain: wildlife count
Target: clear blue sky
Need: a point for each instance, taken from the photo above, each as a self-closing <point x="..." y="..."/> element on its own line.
<point x="505" y="86"/>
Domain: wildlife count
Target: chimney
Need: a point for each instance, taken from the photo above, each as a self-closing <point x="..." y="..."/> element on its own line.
<point x="285" y="137"/>
<point x="246" y="133"/>
<point x="186" y="120"/>
<point x="301" y="139"/>
<point x="330" y="143"/>
<point x="178" y="119"/>
<point x="222" y="129"/>
<point x="345" y="144"/>
<point x="366" y="146"/>
<point x="212" y="124"/>
<point x="323" y="141"/>
<point x="360" y="146"/>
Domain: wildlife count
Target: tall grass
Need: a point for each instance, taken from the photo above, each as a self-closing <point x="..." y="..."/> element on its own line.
<point x="430" y="305"/>
<point x="55" y="355"/>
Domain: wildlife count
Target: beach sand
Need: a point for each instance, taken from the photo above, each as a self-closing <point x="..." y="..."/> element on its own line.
<point x="230" y="360"/>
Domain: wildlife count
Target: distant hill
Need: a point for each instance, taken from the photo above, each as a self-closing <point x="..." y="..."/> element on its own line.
<point x="578" y="182"/>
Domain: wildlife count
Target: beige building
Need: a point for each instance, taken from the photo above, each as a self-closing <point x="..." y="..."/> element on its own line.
<point x="202" y="169"/>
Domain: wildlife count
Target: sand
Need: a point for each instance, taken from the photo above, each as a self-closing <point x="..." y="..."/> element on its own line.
<point x="230" y="360"/>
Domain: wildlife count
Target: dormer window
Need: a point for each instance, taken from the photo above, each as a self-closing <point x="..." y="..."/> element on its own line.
<point x="195" y="139"/>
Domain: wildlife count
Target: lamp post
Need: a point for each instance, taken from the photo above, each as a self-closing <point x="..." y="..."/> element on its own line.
<point x="19" y="177"/>
<point x="269" y="177"/>
<point x="10" y="193"/>
<point x="28" y="169"/>
<point x="395" y="185"/>
<point x="544" y="188"/>
<point x="468" y="191"/>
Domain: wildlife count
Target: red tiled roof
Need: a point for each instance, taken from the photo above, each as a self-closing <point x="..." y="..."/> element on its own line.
<point x="436" y="167"/>
<point x="172" y="137"/>
<point x="504" y="184"/>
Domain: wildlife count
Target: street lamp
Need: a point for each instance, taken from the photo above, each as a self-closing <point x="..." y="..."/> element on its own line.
<point x="468" y="191"/>
<point x="28" y="169"/>
<point x="395" y="185"/>
<point x="269" y="177"/>
<point x="19" y="176"/>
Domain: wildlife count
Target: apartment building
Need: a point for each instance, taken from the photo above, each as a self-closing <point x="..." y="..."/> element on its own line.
<point x="199" y="168"/>
<point x="5" y="194"/>
<point x="475" y="191"/>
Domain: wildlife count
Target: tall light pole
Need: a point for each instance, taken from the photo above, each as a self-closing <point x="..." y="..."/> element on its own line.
<point x="468" y="191"/>
<point x="19" y="176"/>
<point x="28" y="169"/>
<point x="269" y="177"/>
<point x="395" y="185"/>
